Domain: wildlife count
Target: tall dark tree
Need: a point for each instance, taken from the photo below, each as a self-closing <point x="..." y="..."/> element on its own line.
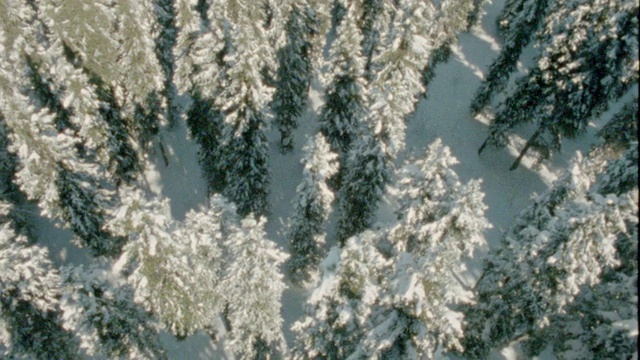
<point x="586" y="60"/>
<point x="294" y="72"/>
<point x="165" y="42"/>
<point x="367" y="174"/>
<point x="518" y="31"/>
<point x="575" y="243"/>
<point x="312" y="209"/>
<point x="30" y="289"/>
<point x="345" y="100"/>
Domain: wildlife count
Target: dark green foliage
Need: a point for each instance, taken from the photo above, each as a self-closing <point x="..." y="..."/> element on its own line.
<point x="146" y="120"/>
<point x="517" y="36"/>
<point x="81" y="210"/>
<point x="243" y="160"/>
<point x="367" y="173"/>
<point x="35" y="333"/>
<point x="369" y="25"/>
<point x="205" y="126"/>
<point x="440" y="56"/>
<point x="294" y="74"/>
<point x="622" y="129"/>
<point x="474" y="14"/>
<point x="165" y="42"/>
<point x="123" y="328"/>
<point x="342" y="112"/>
<point x="338" y="10"/>
<point x="573" y="81"/>
<point x="123" y="159"/>
<point x="42" y="93"/>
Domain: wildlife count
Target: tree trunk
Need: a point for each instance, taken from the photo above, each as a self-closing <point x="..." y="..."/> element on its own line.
<point x="484" y="144"/>
<point x="526" y="148"/>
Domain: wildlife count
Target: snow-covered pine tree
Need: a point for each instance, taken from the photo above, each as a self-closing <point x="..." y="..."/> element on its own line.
<point x="98" y="308"/>
<point x="440" y="221"/>
<point x="31" y="324"/>
<point x="96" y="55"/>
<point x="622" y="129"/>
<point x="174" y="270"/>
<point x="602" y="320"/>
<point x="205" y="125"/>
<point x="52" y="173"/>
<point x="372" y="21"/>
<point x="294" y="72"/>
<point x="337" y="310"/>
<point x="200" y="73"/>
<point x="573" y="243"/>
<point x="365" y="178"/>
<point x="165" y="42"/>
<point x="524" y="18"/>
<point x="188" y="62"/>
<point x="140" y="77"/>
<point x="344" y="99"/>
<point x="312" y="209"/>
<point x="124" y="161"/>
<point x="586" y="61"/>
<point x="391" y="97"/>
<point x="252" y="289"/>
<point x="243" y="101"/>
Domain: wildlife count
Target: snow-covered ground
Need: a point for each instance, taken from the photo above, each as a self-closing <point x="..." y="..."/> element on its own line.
<point x="444" y="114"/>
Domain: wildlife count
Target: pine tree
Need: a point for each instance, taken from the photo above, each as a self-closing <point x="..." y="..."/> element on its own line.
<point x="622" y="129"/>
<point x="294" y="73"/>
<point x="173" y="269"/>
<point x="30" y="316"/>
<point x="52" y="173"/>
<point x="572" y="82"/>
<point x="566" y="248"/>
<point x="165" y="42"/>
<point x="371" y="22"/>
<point x="366" y="176"/>
<point x="337" y="311"/>
<point x="140" y="75"/>
<point x="99" y="309"/>
<point x="344" y="107"/>
<point x="440" y="221"/>
<point x="118" y="59"/>
<point x="243" y="102"/>
<point x="252" y="288"/>
<point x="525" y="18"/>
<point x="312" y="208"/>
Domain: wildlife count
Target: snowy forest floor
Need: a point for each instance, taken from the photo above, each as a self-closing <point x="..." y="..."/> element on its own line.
<point x="444" y="114"/>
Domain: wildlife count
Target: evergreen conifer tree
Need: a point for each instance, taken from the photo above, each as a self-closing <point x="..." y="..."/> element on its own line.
<point x="173" y="269"/>
<point x="243" y="147"/>
<point x="440" y="221"/>
<point x="573" y="244"/>
<point x="312" y="209"/>
<point x="344" y="108"/>
<point x="366" y="176"/>
<point x="573" y="81"/>
<point x="99" y="309"/>
<point x="52" y="173"/>
<point x="622" y="129"/>
<point x="252" y="288"/>
<point x="294" y="73"/>
<point x="31" y="324"/>
<point x="525" y="18"/>
<point x="337" y="311"/>
<point x="164" y="44"/>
